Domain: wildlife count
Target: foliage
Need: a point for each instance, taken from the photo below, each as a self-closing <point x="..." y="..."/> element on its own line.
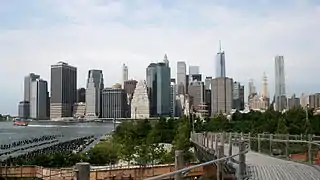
<point x="292" y="121"/>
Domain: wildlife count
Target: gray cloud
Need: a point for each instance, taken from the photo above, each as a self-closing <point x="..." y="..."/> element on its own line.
<point x="106" y="35"/>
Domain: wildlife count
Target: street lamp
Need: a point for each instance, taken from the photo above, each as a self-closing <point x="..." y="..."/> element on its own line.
<point x="307" y="119"/>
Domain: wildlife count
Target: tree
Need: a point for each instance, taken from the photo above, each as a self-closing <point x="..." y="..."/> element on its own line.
<point x="282" y="128"/>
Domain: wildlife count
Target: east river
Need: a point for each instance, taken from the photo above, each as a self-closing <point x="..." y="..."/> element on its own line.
<point x="10" y="133"/>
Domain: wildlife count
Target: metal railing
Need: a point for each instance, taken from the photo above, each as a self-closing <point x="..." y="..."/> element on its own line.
<point x="243" y="149"/>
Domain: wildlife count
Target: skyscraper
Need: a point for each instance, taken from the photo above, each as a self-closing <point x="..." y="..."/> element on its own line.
<point x="181" y="77"/>
<point x="158" y="83"/>
<point x="163" y="89"/>
<point x="114" y="102"/>
<point x="27" y="85"/>
<point x="221" y="94"/>
<point x="220" y="64"/>
<point x="140" y="102"/>
<point x="280" y="85"/>
<point x="151" y="76"/>
<point x="93" y="93"/>
<point x="63" y="90"/>
<point x="125" y="73"/>
<point x="38" y="99"/>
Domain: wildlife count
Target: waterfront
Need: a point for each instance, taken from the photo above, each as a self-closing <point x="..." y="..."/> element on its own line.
<point x="10" y="133"/>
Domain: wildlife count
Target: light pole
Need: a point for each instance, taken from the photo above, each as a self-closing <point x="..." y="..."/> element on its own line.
<point x="307" y="119"/>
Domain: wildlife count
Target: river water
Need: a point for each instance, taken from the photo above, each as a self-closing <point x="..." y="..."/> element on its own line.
<point x="10" y="133"/>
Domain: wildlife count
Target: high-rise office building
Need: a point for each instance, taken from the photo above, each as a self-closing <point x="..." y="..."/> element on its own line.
<point x="114" y="102"/>
<point x="196" y="92"/>
<point x="220" y="64"/>
<point x="94" y="89"/>
<point x="158" y="83"/>
<point x="314" y="100"/>
<point x="24" y="109"/>
<point x="194" y="70"/>
<point x="63" y="90"/>
<point x="125" y="73"/>
<point x="173" y="95"/>
<point x="238" y="96"/>
<point x="27" y="85"/>
<point x="181" y="77"/>
<point x="280" y="85"/>
<point x="38" y="99"/>
<point x="163" y="89"/>
<point x="264" y="89"/>
<point x="207" y="83"/>
<point x="293" y="102"/>
<point x="81" y="95"/>
<point x="221" y="94"/>
<point x="129" y="88"/>
<point x="151" y="74"/>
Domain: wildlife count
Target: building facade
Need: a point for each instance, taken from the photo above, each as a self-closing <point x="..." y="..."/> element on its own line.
<point x="24" y="109"/>
<point x="207" y="83"/>
<point x="221" y="95"/>
<point x="280" y="85"/>
<point x="63" y="90"/>
<point x="181" y="77"/>
<point x="293" y="102"/>
<point x="314" y="100"/>
<point x="173" y="96"/>
<point x="163" y="89"/>
<point x="81" y="95"/>
<point x="220" y="64"/>
<point x="140" y="102"/>
<point x="114" y="103"/>
<point x="158" y="83"/>
<point x="27" y="85"/>
<point x="151" y="76"/>
<point x="94" y="89"/>
<point x="238" y="96"/>
<point x="125" y="73"/>
<point x="196" y="91"/>
<point x="38" y="99"/>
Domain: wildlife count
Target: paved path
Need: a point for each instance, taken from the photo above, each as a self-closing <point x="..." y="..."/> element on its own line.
<point x="264" y="167"/>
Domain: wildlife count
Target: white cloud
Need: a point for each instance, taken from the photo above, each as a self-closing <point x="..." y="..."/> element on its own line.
<point x="187" y="32"/>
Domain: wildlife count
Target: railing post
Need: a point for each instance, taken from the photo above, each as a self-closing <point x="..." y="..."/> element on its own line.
<point x="287" y="146"/>
<point x="242" y="160"/>
<point x="212" y="140"/>
<point x="82" y="171"/>
<point x="310" y="160"/>
<point x="241" y="136"/>
<point x="179" y="164"/>
<point x="259" y="143"/>
<point x="219" y="164"/>
<point x="230" y="144"/>
<point x="216" y="141"/>
<point x="270" y="144"/>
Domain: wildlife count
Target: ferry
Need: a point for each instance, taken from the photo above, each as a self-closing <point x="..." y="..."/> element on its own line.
<point x="19" y="122"/>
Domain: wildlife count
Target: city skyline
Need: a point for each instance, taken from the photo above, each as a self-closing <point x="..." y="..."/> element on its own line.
<point x="250" y="39"/>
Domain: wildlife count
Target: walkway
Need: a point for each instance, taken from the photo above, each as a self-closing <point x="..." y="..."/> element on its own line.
<point x="260" y="166"/>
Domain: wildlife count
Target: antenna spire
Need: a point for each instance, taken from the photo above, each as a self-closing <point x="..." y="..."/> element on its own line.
<point x="220" y="45"/>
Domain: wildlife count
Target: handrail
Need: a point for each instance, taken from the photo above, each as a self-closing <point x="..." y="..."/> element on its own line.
<point x="196" y="166"/>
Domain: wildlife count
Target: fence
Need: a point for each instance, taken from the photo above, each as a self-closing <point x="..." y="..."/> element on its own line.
<point x="95" y="173"/>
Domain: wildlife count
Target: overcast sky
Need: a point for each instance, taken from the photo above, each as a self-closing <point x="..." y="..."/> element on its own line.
<point x="104" y="34"/>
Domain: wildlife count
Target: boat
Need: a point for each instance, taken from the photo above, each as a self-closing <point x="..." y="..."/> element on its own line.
<point x="19" y="122"/>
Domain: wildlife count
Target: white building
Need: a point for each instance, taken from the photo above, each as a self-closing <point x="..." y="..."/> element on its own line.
<point x="93" y="93"/>
<point x="140" y="102"/>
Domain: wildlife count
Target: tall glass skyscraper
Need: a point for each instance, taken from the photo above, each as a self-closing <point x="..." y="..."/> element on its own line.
<point x="181" y="77"/>
<point x="280" y="85"/>
<point x="220" y="64"/>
